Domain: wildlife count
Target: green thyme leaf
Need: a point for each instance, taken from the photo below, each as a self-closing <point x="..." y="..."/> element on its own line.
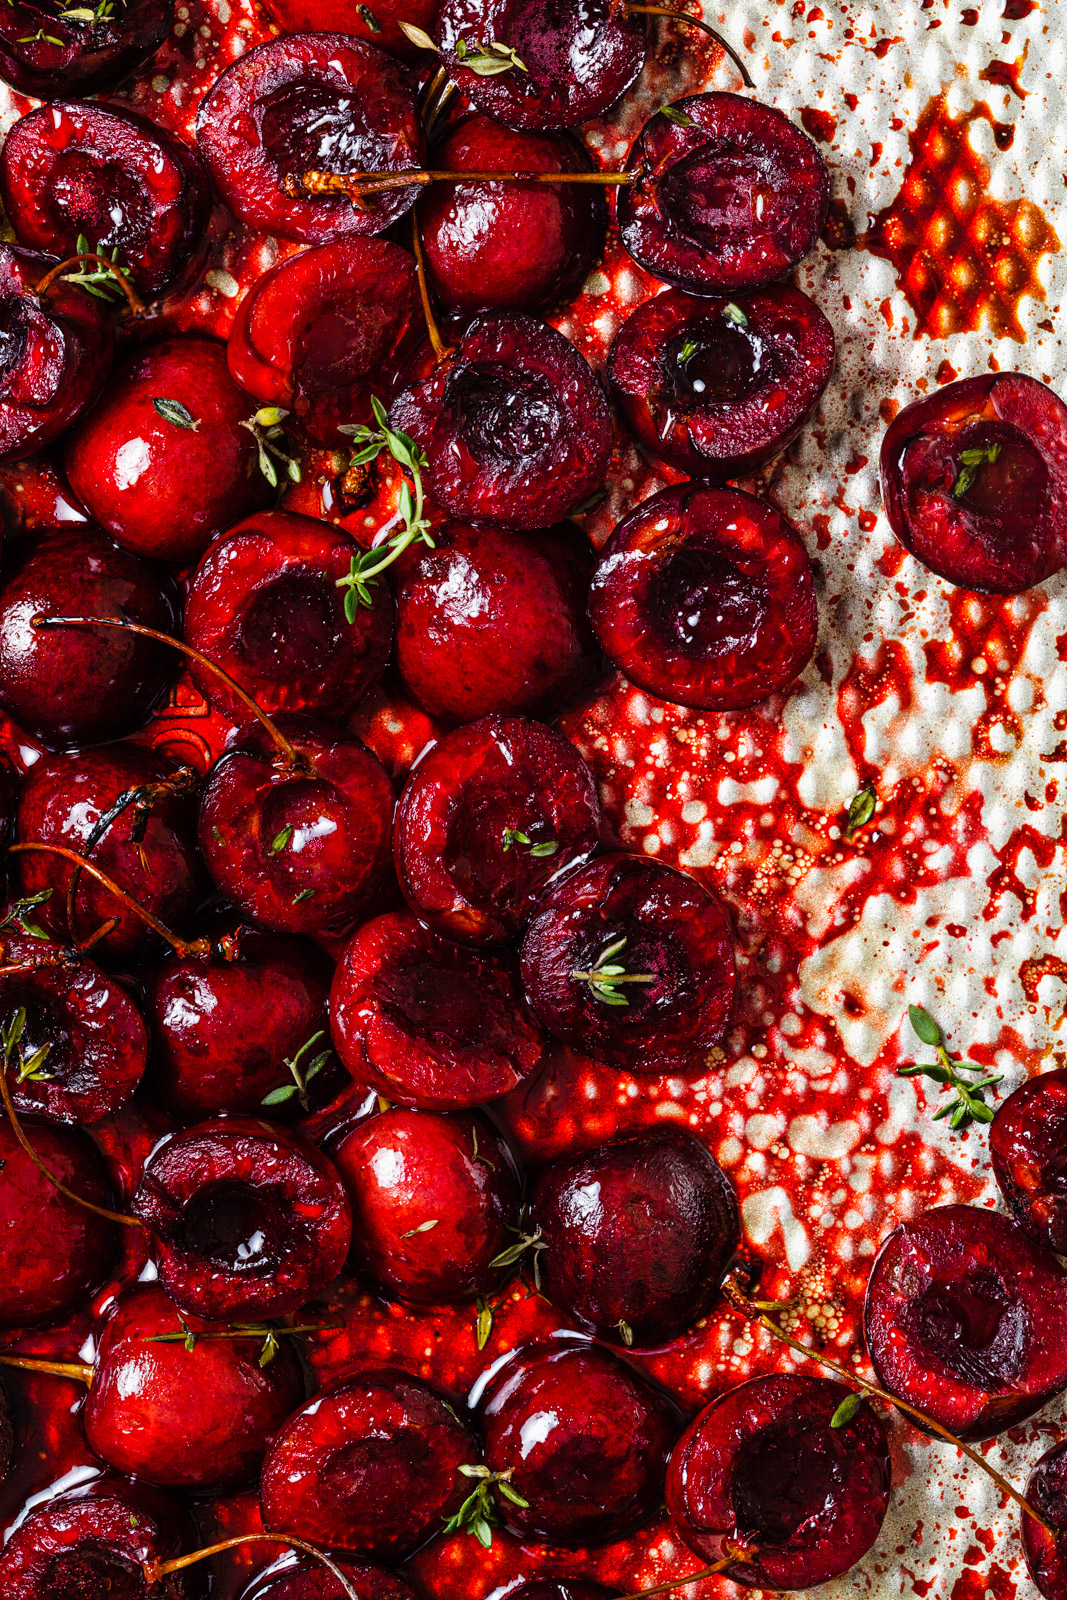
<point x="673" y="114"/>
<point x="860" y="811"/>
<point x="924" y="1025"/>
<point x="846" y="1411"/>
<point x="734" y="314"/>
<point x="281" y="838"/>
<point x="423" y="1227"/>
<point x="971" y="461"/>
<point x="173" y="411"/>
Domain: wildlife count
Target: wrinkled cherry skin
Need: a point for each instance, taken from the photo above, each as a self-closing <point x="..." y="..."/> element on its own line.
<point x="53" y="1252"/>
<point x="162" y="489"/>
<point x="691" y="217"/>
<point x="585" y="1437"/>
<point x="369" y="1465"/>
<point x="249" y="1220"/>
<point x="741" y="396"/>
<point x="310" y="102"/>
<point x="405" y="1168"/>
<point x="1008" y="530"/>
<point x="73" y="168"/>
<point x="193" y="1419"/>
<point x="509" y="246"/>
<point x="674" y="929"/>
<point x="469" y="789"/>
<point x="91" y="56"/>
<point x="264" y="605"/>
<point x="54" y="353"/>
<point x="706" y="597"/>
<point x="310" y="1580"/>
<point x="965" y="1318"/>
<point x="638" y="1234"/>
<point x="513" y="423"/>
<point x="1028" y="1148"/>
<point x="426" y="1022"/>
<point x="319" y="332"/>
<point x="494" y="621"/>
<point x="762" y="1472"/>
<point x="1046" y="1556"/>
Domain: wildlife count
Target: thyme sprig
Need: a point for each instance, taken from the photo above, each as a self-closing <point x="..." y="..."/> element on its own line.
<point x="514" y="836"/>
<point x="266" y="429"/>
<point x="479" y="1513"/>
<point x="515" y="1252"/>
<point x="970" y="462"/>
<point x="97" y="281"/>
<point x="366" y="566"/>
<point x="18" y="916"/>
<point x="301" y="1075"/>
<point x="606" y="974"/>
<point x="270" y="1335"/>
<point x="968" y="1103"/>
<point x="488" y="60"/>
<point x="31" y="1067"/>
<point x="90" y="15"/>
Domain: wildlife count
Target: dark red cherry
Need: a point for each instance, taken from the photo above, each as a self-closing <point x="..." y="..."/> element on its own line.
<point x="727" y="194"/>
<point x="310" y="1580"/>
<point x="494" y="621"/>
<point x="509" y="246"/>
<point x="378" y="24"/>
<point x="706" y="597"/>
<point x="966" y="1318"/>
<point x="78" y="50"/>
<point x="56" y="350"/>
<point x="182" y="1418"/>
<point x="561" y="1589"/>
<point x="426" y="1022"/>
<point x="318" y="333"/>
<point x="310" y="102"/>
<point x="490" y="816"/>
<point x="719" y="387"/>
<point x="585" y="1438"/>
<point x="637" y="1234"/>
<point x="513" y="424"/>
<point x="264" y="604"/>
<point x="1046" y="1554"/>
<point x="665" y="998"/>
<point x="974" y="480"/>
<point x="763" y="1472"/>
<point x="435" y="1199"/>
<point x="1028" y="1148"/>
<point x="7" y="1435"/>
<point x="249" y="1219"/>
<point x="369" y="1465"/>
<point x="76" y="169"/>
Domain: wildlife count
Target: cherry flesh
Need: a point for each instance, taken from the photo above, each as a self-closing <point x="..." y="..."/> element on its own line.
<point x="965" y="1319"/>
<point x="49" y="55"/>
<point x="717" y="388"/>
<point x="319" y="332"/>
<point x="678" y="945"/>
<point x="974" y="480"/>
<point x="249" y="1220"/>
<point x="369" y="1466"/>
<point x="764" y="1472"/>
<point x="477" y="822"/>
<point x="513" y="424"/>
<point x="310" y="1580"/>
<point x="1028" y="1148"/>
<point x="728" y="194"/>
<point x="706" y="597"/>
<point x="310" y="102"/>
<point x="73" y="169"/>
<point x="1046" y="1554"/>
<point x="509" y="246"/>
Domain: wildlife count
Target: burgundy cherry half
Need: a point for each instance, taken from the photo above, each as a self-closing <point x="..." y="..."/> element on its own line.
<point x="50" y="55"/>
<point x="310" y="1580"/>
<point x="1046" y="1554"/>
<point x="1028" y="1148"/>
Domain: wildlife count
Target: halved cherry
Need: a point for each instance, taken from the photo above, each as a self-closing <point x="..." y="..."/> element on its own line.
<point x="79" y="49"/>
<point x="1046" y="1553"/>
<point x="490" y="816"/>
<point x="706" y="597"/>
<point x="719" y="387"/>
<point x="974" y="480"/>
<point x="1028" y="1148"/>
<point x="306" y="1580"/>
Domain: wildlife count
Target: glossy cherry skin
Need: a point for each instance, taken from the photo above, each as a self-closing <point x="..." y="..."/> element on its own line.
<point x="301" y="849"/>
<point x="53" y="1252"/>
<point x="965" y="1318"/>
<point x="460" y="867"/>
<point x="90" y="55"/>
<point x="494" y="621"/>
<point x="337" y="16"/>
<point x="369" y="1465"/>
<point x="310" y="1580"/>
<point x="998" y="526"/>
<point x="585" y="1437"/>
<point x="310" y="102"/>
<point x="509" y="246"/>
<point x="164" y="488"/>
<point x="193" y="1419"/>
<point x="690" y="216"/>
<point x="55" y="353"/>
<point x="76" y="168"/>
<point x="1046" y="1555"/>
<point x="1028" y="1149"/>
<point x="513" y="424"/>
<point x="264" y="605"/>
<point x="717" y="388"/>
<point x="763" y="1473"/>
<point x="706" y="597"/>
<point x="676" y="931"/>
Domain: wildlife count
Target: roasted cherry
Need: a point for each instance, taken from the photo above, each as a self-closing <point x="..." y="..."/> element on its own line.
<point x="7" y="1435"/>
<point x="718" y="388"/>
<point x="369" y="1465"/>
<point x="489" y="817"/>
<point x="766" y="1474"/>
<point x="974" y="480"/>
<point x="80" y="49"/>
<point x="705" y="597"/>
<point x="1028" y="1148"/>
<point x="310" y="1580"/>
<point x="727" y="194"/>
<point x="633" y="963"/>
<point x="513" y="424"/>
<point x="379" y="26"/>
<point x="561" y="1589"/>
<point x="310" y="103"/>
<point x="249" y="1220"/>
<point x="1046" y="1554"/>
<point x="965" y="1318"/>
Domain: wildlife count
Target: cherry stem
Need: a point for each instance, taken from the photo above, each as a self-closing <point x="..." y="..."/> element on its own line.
<point x="80" y="1371"/>
<point x="694" y="22"/>
<point x="694" y="1577"/>
<point x="357" y="184"/>
<point x="437" y="344"/>
<point x="155" y="1570"/>
<point x="136" y="304"/>
<point x="432" y="114"/>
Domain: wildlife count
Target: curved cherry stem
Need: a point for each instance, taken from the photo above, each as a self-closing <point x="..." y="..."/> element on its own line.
<point x="356" y="185"/>
<point x="694" y="1577"/>
<point x="136" y="304"/>
<point x="433" y="333"/>
<point x="80" y="1371"/>
<point x="154" y="1570"/>
<point x="694" y="22"/>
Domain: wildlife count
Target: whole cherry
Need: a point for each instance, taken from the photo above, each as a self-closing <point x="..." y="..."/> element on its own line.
<point x="1028" y="1149"/>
